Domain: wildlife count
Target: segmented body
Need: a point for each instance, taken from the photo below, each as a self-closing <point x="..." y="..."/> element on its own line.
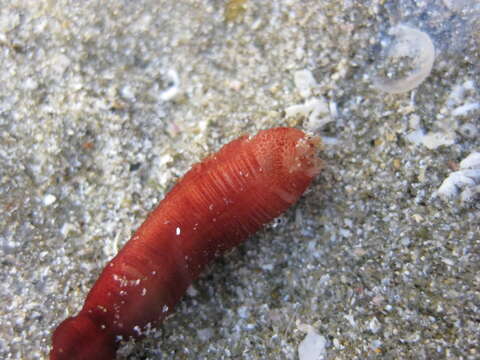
<point x="216" y="205"/>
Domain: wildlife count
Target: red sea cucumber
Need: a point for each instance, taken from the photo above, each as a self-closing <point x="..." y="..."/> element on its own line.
<point x="215" y="206"/>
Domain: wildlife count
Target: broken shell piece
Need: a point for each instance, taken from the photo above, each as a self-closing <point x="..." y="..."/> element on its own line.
<point x="466" y="180"/>
<point x="433" y="140"/>
<point x="174" y="86"/>
<point x="313" y="346"/>
<point x="317" y="110"/>
<point x="304" y="82"/>
<point x="472" y="161"/>
<point x="407" y="62"/>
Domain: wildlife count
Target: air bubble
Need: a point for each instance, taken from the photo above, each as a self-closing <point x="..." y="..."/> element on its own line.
<point x="406" y="62"/>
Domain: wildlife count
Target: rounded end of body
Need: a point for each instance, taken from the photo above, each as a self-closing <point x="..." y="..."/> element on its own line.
<point x="289" y="152"/>
<point x="306" y="157"/>
<point x="81" y="338"/>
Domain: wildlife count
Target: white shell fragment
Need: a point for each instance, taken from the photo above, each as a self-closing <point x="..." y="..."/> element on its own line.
<point x="465" y="181"/>
<point x="408" y="61"/>
<point x="472" y="161"/>
<point x="465" y="109"/>
<point x="49" y="199"/>
<point x="174" y="88"/>
<point x="313" y="346"/>
<point x="304" y="82"/>
<point x="433" y="140"/>
<point x="317" y="110"/>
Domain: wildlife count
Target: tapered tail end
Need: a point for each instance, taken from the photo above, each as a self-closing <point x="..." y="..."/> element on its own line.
<point x="81" y="338"/>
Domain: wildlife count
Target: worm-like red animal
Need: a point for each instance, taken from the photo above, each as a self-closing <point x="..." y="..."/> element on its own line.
<point x="216" y="205"/>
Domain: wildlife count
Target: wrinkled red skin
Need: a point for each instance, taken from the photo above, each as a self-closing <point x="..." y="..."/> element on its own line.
<point x="218" y="204"/>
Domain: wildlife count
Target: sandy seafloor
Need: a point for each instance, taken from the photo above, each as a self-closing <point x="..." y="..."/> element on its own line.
<point x="95" y="128"/>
